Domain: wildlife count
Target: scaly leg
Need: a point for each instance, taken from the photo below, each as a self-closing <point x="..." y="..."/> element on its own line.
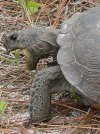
<point x="44" y="81"/>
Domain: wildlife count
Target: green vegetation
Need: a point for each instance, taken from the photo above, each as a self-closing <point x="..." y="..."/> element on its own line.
<point x="13" y="60"/>
<point x="29" y="6"/>
<point x="75" y="96"/>
<point x="3" y="106"/>
<point x="17" y="56"/>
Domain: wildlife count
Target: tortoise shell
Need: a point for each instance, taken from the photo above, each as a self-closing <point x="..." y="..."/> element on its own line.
<point x="79" y="53"/>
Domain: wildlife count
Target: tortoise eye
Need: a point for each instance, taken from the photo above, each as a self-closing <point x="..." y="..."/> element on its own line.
<point x="13" y="36"/>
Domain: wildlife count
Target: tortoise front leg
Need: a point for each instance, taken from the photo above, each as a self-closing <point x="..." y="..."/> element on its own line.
<point x="40" y="104"/>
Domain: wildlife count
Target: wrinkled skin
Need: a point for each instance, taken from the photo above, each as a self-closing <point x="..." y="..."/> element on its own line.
<point x="36" y="43"/>
<point x="40" y="43"/>
<point x="46" y="82"/>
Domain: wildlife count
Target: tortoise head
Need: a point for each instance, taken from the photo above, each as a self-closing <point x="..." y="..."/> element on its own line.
<point x="10" y="41"/>
<point x="18" y="40"/>
<point x="21" y="40"/>
<point x="36" y="42"/>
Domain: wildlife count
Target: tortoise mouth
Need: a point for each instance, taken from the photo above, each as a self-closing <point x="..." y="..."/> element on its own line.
<point x="4" y="46"/>
<point x="7" y="49"/>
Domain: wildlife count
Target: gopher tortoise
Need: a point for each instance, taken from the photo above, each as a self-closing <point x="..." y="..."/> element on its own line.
<point x="78" y="60"/>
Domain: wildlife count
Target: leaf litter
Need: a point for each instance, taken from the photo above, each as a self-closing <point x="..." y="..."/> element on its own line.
<point x="68" y="117"/>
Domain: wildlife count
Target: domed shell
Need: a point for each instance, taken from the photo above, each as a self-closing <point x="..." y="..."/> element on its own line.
<point x="79" y="54"/>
